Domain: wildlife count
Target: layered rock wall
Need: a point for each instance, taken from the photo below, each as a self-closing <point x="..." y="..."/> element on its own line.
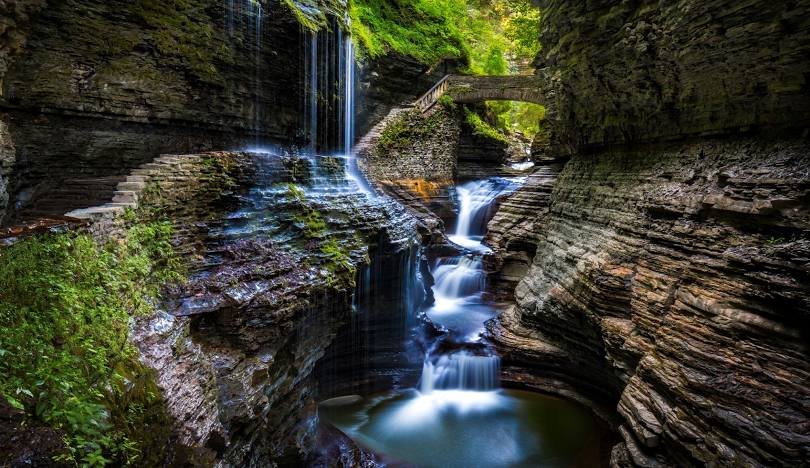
<point x="94" y="88"/>
<point x="670" y="280"/>
<point x="618" y="71"/>
<point x="682" y="278"/>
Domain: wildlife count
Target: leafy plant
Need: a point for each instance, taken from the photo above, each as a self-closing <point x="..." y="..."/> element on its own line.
<point x="492" y="36"/>
<point x="64" y="312"/>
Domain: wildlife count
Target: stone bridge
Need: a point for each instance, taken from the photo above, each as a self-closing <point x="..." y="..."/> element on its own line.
<point x="465" y="89"/>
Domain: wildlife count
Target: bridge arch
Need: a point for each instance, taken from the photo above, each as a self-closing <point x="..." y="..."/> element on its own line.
<point x="466" y="89"/>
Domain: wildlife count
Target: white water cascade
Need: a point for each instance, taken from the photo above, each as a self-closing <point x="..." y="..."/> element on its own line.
<point x="461" y="371"/>
<point x="475" y="200"/>
<point x="459" y="307"/>
<point x="349" y="112"/>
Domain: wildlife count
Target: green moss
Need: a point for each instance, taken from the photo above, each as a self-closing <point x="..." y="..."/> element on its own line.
<point x="339" y="262"/>
<point x="410" y="128"/>
<point x="182" y="29"/>
<point x="65" y="306"/>
<point x="483" y="129"/>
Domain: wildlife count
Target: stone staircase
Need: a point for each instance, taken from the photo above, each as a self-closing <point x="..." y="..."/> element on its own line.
<point x="129" y="191"/>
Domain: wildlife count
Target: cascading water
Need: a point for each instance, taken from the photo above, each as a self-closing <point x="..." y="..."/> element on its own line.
<point x="458" y="416"/>
<point x="352" y="171"/>
<point x="312" y="92"/>
<point x="459" y="307"/>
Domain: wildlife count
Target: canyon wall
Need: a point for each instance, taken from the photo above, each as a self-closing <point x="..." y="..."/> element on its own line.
<point x="670" y="280"/>
<point x="628" y="71"/>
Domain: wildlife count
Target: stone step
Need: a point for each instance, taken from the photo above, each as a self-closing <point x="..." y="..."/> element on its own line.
<point x="125" y="196"/>
<point x="133" y="186"/>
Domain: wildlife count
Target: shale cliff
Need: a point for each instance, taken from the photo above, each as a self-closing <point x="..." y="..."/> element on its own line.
<point x="670" y="280"/>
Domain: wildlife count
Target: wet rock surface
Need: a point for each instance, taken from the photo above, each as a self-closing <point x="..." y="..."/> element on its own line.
<point x="675" y="286"/>
<point x="236" y="347"/>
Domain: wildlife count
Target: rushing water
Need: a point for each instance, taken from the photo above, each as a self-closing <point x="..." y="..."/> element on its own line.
<point x="458" y="415"/>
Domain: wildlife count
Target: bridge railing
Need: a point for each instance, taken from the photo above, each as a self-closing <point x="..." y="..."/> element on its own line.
<point x="430" y="98"/>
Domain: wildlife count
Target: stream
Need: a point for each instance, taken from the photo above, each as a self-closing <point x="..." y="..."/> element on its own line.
<point x="458" y="415"/>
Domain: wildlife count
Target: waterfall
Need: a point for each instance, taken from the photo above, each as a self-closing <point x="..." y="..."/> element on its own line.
<point x="459" y="306"/>
<point x="312" y="94"/>
<point x="461" y="371"/>
<point x="349" y="109"/>
<point x="459" y="278"/>
<point x="475" y="200"/>
<point x="257" y="14"/>
<point x="349" y="112"/>
<point x="247" y="16"/>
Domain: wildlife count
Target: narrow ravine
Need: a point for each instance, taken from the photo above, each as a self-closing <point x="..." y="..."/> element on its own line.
<point x="458" y="414"/>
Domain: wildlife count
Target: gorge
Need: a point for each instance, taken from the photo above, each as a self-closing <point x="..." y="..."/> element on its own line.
<point x="345" y="233"/>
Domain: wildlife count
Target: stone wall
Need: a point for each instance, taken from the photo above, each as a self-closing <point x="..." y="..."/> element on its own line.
<point x="618" y="71"/>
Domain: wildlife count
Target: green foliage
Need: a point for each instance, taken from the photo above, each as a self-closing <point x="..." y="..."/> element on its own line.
<point x="483" y="129"/>
<point x="493" y="36"/>
<point x="447" y="102"/>
<point x="181" y="28"/>
<point x="522" y="117"/>
<point x="428" y="30"/>
<point x="64" y="312"/>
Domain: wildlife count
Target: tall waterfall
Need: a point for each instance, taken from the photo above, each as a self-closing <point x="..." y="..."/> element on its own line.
<point x="349" y="113"/>
<point x="247" y="17"/>
<point x="312" y="92"/>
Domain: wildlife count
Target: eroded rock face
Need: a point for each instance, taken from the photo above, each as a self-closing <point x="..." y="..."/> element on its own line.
<point x="6" y="162"/>
<point x="670" y="280"/>
<point x="619" y="71"/>
<point x="270" y="294"/>
<point x="674" y="279"/>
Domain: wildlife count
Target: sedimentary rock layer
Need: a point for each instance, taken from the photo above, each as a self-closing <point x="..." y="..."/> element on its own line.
<point x="676" y="277"/>
<point x="618" y="71"/>
<point x="235" y="348"/>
